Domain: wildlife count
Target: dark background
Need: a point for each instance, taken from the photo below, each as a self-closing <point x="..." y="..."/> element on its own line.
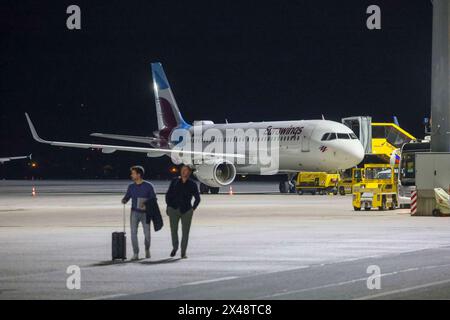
<point x="235" y="60"/>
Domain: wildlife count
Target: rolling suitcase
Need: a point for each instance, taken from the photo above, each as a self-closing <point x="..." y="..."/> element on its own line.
<point x="119" y="243"/>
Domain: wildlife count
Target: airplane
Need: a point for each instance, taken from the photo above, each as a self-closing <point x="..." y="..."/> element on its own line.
<point x="302" y="145"/>
<point x="3" y="160"/>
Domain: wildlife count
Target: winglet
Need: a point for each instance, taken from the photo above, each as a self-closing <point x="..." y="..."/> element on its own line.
<point x="33" y="130"/>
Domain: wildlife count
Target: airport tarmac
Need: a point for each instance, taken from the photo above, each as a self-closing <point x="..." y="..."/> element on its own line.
<point x="254" y="244"/>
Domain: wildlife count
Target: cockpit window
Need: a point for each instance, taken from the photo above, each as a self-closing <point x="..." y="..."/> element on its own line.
<point x="331" y="136"/>
<point x="343" y="136"/>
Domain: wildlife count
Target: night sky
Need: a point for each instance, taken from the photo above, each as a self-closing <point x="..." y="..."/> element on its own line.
<point x="235" y="60"/>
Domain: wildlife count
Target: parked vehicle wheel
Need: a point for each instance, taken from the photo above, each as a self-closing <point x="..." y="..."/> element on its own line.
<point x="392" y="206"/>
<point x="394" y="202"/>
<point x="313" y="192"/>
<point x="436" y="213"/>
<point x="367" y="208"/>
<point x="383" y="206"/>
<point x="357" y="209"/>
<point x="299" y="192"/>
<point x="342" y="191"/>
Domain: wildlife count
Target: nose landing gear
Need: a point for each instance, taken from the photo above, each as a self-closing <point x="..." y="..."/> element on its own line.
<point x="287" y="185"/>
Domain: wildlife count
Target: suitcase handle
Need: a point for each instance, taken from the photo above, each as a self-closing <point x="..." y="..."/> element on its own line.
<point x="124" y="218"/>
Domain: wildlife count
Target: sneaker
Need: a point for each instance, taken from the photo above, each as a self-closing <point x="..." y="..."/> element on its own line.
<point x="147" y="254"/>
<point x="135" y="257"/>
<point x="173" y="253"/>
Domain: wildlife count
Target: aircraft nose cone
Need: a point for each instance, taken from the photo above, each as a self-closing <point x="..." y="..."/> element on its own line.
<point x="357" y="154"/>
<point x="352" y="155"/>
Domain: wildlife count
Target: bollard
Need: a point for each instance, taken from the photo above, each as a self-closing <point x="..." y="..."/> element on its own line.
<point x="413" y="202"/>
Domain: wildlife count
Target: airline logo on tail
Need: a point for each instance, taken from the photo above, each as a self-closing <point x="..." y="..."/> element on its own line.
<point x="167" y="112"/>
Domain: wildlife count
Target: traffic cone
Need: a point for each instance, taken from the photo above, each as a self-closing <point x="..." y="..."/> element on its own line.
<point x="33" y="192"/>
<point x="231" y="191"/>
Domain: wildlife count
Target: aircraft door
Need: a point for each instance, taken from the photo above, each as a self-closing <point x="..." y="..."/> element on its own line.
<point x="362" y="127"/>
<point x="306" y="138"/>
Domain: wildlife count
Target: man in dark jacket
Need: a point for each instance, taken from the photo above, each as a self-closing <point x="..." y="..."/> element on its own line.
<point x="179" y="207"/>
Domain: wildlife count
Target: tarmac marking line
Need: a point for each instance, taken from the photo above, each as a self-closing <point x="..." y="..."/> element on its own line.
<point x="337" y="284"/>
<point x="388" y="293"/>
<point x="209" y="281"/>
<point x="278" y="294"/>
<point x="107" y="296"/>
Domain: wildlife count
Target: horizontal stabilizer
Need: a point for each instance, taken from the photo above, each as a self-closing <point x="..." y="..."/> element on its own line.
<point x="3" y="160"/>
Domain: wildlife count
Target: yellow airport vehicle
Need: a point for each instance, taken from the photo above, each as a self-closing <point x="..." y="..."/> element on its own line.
<point x="348" y="179"/>
<point x="387" y="137"/>
<point x="379" y="139"/>
<point x="317" y="182"/>
<point x="378" y="188"/>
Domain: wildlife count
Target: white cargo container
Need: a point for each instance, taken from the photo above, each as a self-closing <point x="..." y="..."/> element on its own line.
<point x="432" y="170"/>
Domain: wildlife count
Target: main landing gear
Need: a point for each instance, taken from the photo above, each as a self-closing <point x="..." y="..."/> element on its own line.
<point x="205" y="189"/>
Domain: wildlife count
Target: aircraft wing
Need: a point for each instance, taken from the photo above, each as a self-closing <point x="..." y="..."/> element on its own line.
<point x="3" y="160"/>
<point x="113" y="148"/>
<point x="126" y="138"/>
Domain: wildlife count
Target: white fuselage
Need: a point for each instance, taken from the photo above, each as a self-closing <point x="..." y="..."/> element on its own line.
<point x="301" y="144"/>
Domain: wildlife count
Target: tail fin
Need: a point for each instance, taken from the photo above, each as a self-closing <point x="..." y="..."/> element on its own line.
<point x="396" y="121"/>
<point x="167" y="111"/>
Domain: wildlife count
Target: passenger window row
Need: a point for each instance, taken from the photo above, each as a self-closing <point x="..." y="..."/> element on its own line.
<point x="333" y="136"/>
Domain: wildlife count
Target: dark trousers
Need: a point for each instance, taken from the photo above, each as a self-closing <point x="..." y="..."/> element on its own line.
<point x="186" y="218"/>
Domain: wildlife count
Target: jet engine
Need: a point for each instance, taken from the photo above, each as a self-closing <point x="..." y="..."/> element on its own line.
<point x="219" y="174"/>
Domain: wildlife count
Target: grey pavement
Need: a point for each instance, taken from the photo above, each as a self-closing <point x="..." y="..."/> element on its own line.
<point x="255" y="244"/>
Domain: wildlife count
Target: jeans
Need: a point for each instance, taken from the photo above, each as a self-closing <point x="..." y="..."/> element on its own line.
<point x="186" y="218"/>
<point x="135" y="219"/>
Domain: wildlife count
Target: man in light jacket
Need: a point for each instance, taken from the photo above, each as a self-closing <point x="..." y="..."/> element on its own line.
<point x="140" y="192"/>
